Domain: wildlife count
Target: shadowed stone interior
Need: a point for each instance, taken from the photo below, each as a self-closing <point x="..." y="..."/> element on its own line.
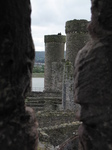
<point x="17" y="124"/>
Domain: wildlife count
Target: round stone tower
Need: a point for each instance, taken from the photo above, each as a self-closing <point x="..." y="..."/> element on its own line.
<point x="76" y="37"/>
<point x="54" y="52"/>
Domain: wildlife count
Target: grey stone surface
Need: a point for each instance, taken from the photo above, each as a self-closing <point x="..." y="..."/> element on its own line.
<point x="68" y="86"/>
<point x="70" y="144"/>
<point x="40" y="101"/>
<point x="55" y="118"/>
<point x="76" y="37"/>
<point x="54" y="52"/>
<point x="93" y="81"/>
<point x="57" y="76"/>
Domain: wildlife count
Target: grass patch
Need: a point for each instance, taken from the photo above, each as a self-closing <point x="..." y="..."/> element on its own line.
<point x="38" y="75"/>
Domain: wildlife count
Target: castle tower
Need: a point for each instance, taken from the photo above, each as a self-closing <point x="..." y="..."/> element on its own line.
<point x="76" y="37"/>
<point x="54" y="52"/>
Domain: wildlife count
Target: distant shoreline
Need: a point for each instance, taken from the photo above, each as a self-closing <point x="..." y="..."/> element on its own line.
<point x="37" y="75"/>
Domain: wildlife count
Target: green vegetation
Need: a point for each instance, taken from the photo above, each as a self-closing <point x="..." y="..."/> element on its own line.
<point x="38" y="75"/>
<point x="39" y="56"/>
<point x="38" y="69"/>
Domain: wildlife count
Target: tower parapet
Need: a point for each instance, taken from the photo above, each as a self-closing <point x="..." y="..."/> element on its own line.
<point x="76" y="37"/>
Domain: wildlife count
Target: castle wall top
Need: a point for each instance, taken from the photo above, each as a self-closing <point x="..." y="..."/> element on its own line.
<point x="55" y="38"/>
<point x="76" y="26"/>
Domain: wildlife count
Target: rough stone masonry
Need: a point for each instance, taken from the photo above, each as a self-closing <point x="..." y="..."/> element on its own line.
<point x="93" y="80"/>
<point x="54" y="52"/>
<point x="18" y="126"/>
<point x="76" y="37"/>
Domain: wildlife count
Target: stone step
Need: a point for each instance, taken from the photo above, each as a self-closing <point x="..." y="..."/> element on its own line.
<point x="44" y="98"/>
<point x="51" y="118"/>
<point x="47" y="102"/>
<point x="41" y="102"/>
<point x="38" y="108"/>
<point x="62" y="132"/>
<point x="36" y="101"/>
<point x="76" y="123"/>
<point x="55" y="101"/>
<point x="35" y="105"/>
<point x="38" y="105"/>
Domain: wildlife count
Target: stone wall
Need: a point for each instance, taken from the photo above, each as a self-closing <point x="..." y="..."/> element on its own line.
<point x="54" y="52"/>
<point x="58" y="134"/>
<point x="55" y="118"/>
<point x="56" y="126"/>
<point x="18" y="126"/>
<point x="68" y="86"/>
<point x="93" y="80"/>
<point x="40" y="101"/>
<point x="57" y="76"/>
<point x="76" y="37"/>
<point x="44" y="94"/>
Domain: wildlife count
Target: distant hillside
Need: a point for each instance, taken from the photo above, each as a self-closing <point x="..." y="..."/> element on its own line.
<point x="40" y="56"/>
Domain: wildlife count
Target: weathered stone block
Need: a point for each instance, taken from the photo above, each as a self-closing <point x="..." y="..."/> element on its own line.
<point x="93" y="81"/>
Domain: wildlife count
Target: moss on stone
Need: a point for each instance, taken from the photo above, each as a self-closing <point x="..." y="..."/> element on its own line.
<point x="58" y="133"/>
<point x="68" y="69"/>
<point x="54" y="113"/>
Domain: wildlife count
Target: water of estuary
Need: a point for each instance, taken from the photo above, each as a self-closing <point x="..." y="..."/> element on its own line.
<point x="37" y="84"/>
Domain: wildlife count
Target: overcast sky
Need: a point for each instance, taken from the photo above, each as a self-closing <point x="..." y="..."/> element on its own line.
<point x="49" y="17"/>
